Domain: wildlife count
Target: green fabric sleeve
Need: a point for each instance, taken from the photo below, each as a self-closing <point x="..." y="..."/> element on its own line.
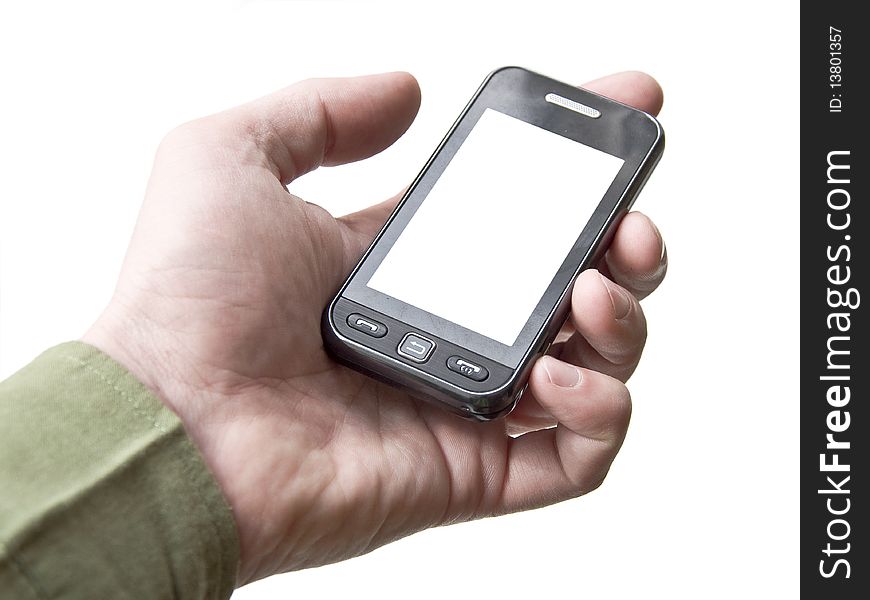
<point x="102" y="493"/>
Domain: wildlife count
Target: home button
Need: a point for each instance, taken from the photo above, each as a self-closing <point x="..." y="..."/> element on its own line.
<point x="416" y="348"/>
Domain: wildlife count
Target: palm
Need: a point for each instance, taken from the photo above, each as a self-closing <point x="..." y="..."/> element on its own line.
<point x="224" y="285"/>
<point x="242" y="301"/>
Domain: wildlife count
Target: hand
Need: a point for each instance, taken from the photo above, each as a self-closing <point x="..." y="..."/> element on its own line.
<point x="218" y="306"/>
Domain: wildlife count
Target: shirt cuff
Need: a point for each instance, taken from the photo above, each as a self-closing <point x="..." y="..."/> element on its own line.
<point x="102" y="493"/>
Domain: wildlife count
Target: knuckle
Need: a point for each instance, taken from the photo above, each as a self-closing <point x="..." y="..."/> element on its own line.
<point x="622" y="343"/>
<point x="621" y="408"/>
<point x="606" y="412"/>
<point x="592" y="482"/>
<point x="590" y="477"/>
<point x="624" y="355"/>
<point x="187" y="137"/>
<point x="185" y="133"/>
<point x="615" y="414"/>
<point x="206" y="143"/>
<point x="203" y="132"/>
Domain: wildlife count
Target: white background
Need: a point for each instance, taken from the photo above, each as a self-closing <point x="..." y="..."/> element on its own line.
<point x="702" y="501"/>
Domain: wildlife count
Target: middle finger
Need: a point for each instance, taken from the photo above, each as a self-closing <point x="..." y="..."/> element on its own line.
<point x="610" y="327"/>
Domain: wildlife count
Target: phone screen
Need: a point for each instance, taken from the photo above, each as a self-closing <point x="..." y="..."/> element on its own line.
<point x="490" y="236"/>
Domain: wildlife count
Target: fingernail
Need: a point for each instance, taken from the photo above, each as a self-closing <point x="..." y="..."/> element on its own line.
<point x="663" y="258"/>
<point x="657" y="232"/>
<point x="618" y="298"/>
<point x="561" y="374"/>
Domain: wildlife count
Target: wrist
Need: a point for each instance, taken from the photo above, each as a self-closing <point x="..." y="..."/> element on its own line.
<point x="150" y="353"/>
<point x="130" y="342"/>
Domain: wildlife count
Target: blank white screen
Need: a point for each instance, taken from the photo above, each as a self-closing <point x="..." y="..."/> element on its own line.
<point x="488" y="239"/>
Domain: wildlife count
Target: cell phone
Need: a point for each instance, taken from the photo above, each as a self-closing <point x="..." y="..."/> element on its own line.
<point x="469" y="280"/>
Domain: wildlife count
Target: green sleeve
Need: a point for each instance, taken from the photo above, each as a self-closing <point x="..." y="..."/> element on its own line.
<point x="102" y="493"/>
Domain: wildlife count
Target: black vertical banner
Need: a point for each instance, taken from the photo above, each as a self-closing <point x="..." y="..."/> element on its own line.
<point x="835" y="350"/>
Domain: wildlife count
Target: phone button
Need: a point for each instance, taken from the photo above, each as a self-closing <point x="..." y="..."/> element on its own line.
<point x="466" y="367"/>
<point x="366" y="325"/>
<point x="416" y="348"/>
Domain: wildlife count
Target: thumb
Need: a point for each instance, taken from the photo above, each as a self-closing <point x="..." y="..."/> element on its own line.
<point x="325" y="121"/>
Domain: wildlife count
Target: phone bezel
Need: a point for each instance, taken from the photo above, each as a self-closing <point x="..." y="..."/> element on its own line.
<point x="622" y="131"/>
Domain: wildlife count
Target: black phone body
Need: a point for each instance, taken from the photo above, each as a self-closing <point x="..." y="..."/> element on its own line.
<point x="469" y="280"/>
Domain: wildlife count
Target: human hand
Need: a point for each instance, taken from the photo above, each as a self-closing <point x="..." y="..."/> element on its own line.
<point x="218" y="308"/>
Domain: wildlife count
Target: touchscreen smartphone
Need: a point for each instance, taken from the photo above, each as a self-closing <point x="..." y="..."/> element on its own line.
<point x="469" y="280"/>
